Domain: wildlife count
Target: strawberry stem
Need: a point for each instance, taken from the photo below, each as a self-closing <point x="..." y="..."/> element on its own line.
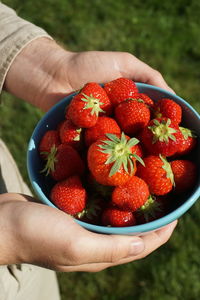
<point x="150" y="208"/>
<point x="93" y="103"/>
<point x="167" y="167"/>
<point x="119" y="153"/>
<point x="162" y="131"/>
<point x="51" y="160"/>
<point x="187" y="133"/>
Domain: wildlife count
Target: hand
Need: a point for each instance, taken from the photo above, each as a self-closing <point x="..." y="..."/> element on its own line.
<point x="42" y="74"/>
<point x="41" y="235"/>
<point x="48" y="72"/>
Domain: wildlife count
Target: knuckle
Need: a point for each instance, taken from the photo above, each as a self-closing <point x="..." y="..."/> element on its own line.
<point x="73" y="254"/>
<point x="116" y="253"/>
<point x="157" y="74"/>
<point x="165" y="239"/>
<point x="127" y="56"/>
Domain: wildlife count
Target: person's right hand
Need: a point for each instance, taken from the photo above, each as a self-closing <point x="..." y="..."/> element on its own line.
<point x="38" y="234"/>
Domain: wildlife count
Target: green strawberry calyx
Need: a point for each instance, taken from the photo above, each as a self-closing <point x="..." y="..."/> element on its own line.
<point x="162" y="131"/>
<point x="136" y="99"/>
<point x="186" y="132"/>
<point x="157" y="113"/>
<point x="78" y="136"/>
<point x="51" y="160"/>
<point x="120" y="153"/>
<point x="92" y="209"/>
<point x="167" y="167"/>
<point x="93" y="104"/>
<point x="149" y="208"/>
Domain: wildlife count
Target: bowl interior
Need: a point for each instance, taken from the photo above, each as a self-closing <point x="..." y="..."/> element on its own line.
<point x="42" y="184"/>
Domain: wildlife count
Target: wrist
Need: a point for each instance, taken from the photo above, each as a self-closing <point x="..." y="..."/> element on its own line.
<point x="32" y="75"/>
<point x="10" y="236"/>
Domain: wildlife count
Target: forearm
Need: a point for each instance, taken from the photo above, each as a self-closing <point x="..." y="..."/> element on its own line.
<point x="28" y="58"/>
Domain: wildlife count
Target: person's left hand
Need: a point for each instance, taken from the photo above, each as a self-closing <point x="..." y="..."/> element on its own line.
<point x="43" y="72"/>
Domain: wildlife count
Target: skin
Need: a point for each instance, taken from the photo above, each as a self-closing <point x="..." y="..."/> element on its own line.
<point x="26" y="237"/>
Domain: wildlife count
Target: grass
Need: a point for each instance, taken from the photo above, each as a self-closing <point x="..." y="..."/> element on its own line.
<point x="166" y="36"/>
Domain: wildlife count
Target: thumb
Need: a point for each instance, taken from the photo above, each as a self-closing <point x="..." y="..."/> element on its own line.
<point x="99" y="248"/>
<point x="140" y="71"/>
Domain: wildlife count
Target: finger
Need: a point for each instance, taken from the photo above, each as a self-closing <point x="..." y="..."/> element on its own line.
<point x="63" y="235"/>
<point x="152" y="241"/>
<point x="98" y="248"/>
<point x="157" y="238"/>
<point x="139" y="71"/>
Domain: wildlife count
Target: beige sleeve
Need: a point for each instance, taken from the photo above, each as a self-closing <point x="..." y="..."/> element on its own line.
<point x="15" y="34"/>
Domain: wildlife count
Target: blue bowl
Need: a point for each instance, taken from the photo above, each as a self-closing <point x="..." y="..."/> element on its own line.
<point x="42" y="186"/>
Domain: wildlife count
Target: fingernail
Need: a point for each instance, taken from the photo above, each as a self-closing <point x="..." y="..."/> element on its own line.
<point x="137" y="246"/>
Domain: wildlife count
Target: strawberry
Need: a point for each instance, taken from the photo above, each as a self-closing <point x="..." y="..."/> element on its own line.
<point x="69" y="195"/>
<point x="145" y="98"/>
<point x="112" y="160"/>
<point x="161" y="136"/>
<point x="157" y="173"/>
<point x="131" y="195"/>
<point x="117" y="218"/>
<point x="50" y="139"/>
<point x="63" y="162"/>
<point x="154" y="208"/>
<point x="86" y="106"/>
<point x="120" y="89"/>
<point x="185" y="174"/>
<point x="169" y="109"/>
<point x="70" y="133"/>
<point x="139" y="150"/>
<point x="187" y="142"/>
<point x="104" y="125"/>
<point x="132" y="115"/>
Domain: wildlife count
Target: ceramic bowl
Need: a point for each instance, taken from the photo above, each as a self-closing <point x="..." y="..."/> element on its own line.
<point x="42" y="185"/>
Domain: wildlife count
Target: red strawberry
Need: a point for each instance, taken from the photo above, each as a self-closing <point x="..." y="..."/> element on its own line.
<point x="112" y="161"/>
<point x="157" y="174"/>
<point x="161" y="136"/>
<point x="69" y="195"/>
<point x="104" y="125"/>
<point x="139" y="150"/>
<point x="185" y="174"/>
<point x="63" y="162"/>
<point x="70" y="133"/>
<point x="49" y="140"/>
<point x="169" y="109"/>
<point x="145" y="98"/>
<point x="117" y="218"/>
<point x="120" y="89"/>
<point x="188" y="141"/>
<point x="131" y="195"/>
<point x="132" y="115"/>
<point x="155" y="207"/>
<point x="86" y="106"/>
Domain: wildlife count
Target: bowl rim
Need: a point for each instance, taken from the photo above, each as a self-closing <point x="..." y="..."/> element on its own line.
<point x="141" y="228"/>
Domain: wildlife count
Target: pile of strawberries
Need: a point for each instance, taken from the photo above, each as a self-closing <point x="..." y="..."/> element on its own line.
<point x="119" y="158"/>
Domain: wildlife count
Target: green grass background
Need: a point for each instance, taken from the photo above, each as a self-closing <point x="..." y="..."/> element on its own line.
<point x="166" y="35"/>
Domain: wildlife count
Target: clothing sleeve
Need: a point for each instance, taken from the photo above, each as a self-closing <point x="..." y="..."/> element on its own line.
<point x="15" y="34"/>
